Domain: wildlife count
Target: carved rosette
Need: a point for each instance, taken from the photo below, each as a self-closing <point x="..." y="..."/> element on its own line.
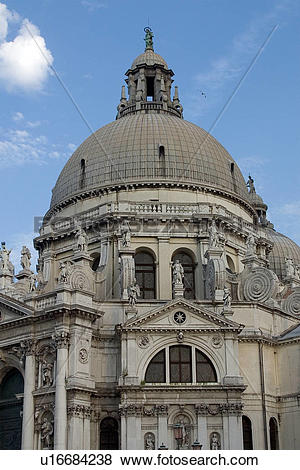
<point x="292" y="303"/>
<point x="217" y="341"/>
<point x="143" y="341"/>
<point x="260" y="285"/>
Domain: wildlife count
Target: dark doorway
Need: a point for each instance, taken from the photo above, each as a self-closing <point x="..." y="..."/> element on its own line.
<point x="10" y="411"/>
<point x="247" y="433"/>
<point x="109" y="434"/>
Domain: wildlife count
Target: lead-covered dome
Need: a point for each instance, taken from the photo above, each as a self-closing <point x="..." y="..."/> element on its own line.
<point x="149" y="57"/>
<point x="149" y="148"/>
<point x="283" y="248"/>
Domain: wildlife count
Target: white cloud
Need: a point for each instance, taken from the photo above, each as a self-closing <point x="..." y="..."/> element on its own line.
<point x="18" y="116"/>
<point x="93" y="5"/>
<point x="72" y="147"/>
<point x="291" y="208"/>
<point x="25" y="61"/>
<point x="6" y="16"/>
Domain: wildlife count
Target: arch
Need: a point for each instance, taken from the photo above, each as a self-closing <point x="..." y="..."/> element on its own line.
<point x="247" y="433"/>
<point x="230" y="264"/>
<point x="95" y="261"/>
<point x="273" y="430"/>
<point x="187" y="260"/>
<point x="199" y="343"/>
<point x="145" y="273"/>
<point x="10" y="410"/>
<point x="109" y="434"/>
<point x="180" y="366"/>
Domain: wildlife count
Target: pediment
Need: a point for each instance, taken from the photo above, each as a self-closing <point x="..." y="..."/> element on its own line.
<point x="184" y="314"/>
<point x="11" y="309"/>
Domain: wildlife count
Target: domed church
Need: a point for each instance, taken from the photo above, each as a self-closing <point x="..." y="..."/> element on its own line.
<point x="165" y="311"/>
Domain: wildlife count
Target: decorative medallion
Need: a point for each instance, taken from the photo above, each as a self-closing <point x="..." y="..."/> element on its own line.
<point x="180" y="337"/>
<point x="179" y="317"/>
<point x="143" y="341"/>
<point x="83" y="356"/>
<point x="217" y="341"/>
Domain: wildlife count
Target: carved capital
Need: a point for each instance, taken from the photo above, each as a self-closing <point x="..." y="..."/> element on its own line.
<point x="28" y="346"/>
<point x="61" y="339"/>
<point x="162" y="410"/>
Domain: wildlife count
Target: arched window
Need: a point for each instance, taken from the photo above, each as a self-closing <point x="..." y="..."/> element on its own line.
<point x="10" y="411"/>
<point x="145" y="274"/>
<point x="109" y="434"/>
<point x="274" y="442"/>
<point x="230" y="264"/>
<point x="82" y="173"/>
<point x="156" y="370"/>
<point x="204" y="368"/>
<point x="189" y="278"/>
<point x="180" y="367"/>
<point x="247" y="433"/>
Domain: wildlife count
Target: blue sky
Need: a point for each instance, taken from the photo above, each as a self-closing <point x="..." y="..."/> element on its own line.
<point x="209" y="44"/>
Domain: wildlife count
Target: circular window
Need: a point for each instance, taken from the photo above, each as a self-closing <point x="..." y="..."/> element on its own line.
<point x="179" y="317"/>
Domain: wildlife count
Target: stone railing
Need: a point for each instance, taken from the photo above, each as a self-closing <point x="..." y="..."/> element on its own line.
<point x="45" y="302"/>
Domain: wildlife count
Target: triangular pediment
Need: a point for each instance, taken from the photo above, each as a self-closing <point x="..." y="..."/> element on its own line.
<point x="11" y="309"/>
<point x="184" y="314"/>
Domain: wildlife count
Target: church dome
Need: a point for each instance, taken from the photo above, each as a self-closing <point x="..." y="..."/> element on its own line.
<point x="283" y="248"/>
<point x="150" y="149"/>
<point x="149" y="57"/>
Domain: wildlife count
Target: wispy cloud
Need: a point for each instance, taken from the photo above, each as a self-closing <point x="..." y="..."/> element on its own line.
<point x="18" y="116"/>
<point x="19" y="147"/>
<point x="229" y="67"/>
<point x="25" y="61"/>
<point x="93" y="5"/>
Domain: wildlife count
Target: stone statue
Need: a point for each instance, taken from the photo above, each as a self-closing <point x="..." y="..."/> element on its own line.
<point x="226" y="299"/>
<point x="32" y="282"/>
<point x="64" y="271"/>
<point x="250" y="245"/>
<point x="25" y="258"/>
<point x="213" y="235"/>
<point x="297" y="271"/>
<point x="149" y="441"/>
<point x="148" y="38"/>
<point x="6" y="264"/>
<point x="214" y="442"/>
<point x="47" y="433"/>
<point x="250" y="184"/>
<point x="133" y="293"/>
<point x="81" y="240"/>
<point x="126" y="233"/>
<point x="290" y="268"/>
<point x="40" y="280"/>
<point x="47" y="375"/>
<point x="185" y="434"/>
<point x="178" y="272"/>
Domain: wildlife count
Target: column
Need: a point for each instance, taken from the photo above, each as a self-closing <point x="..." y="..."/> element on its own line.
<point x="87" y="427"/>
<point x="235" y="432"/>
<point x="162" y="416"/>
<point x="60" y="416"/>
<point x="28" y="347"/>
<point x="123" y="429"/>
<point x="202" y="425"/>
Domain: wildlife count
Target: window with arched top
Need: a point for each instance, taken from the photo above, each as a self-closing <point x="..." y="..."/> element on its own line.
<point x="145" y="274"/>
<point x="273" y="428"/>
<point x="180" y="364"/>
<point x="189" y="273"/>
<point x="247" y="433"/>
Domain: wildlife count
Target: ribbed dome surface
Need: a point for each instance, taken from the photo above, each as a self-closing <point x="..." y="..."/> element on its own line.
<point x="127" y="151"/>
<point x="149" y="57"/>
<point x="283" y="248"/>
